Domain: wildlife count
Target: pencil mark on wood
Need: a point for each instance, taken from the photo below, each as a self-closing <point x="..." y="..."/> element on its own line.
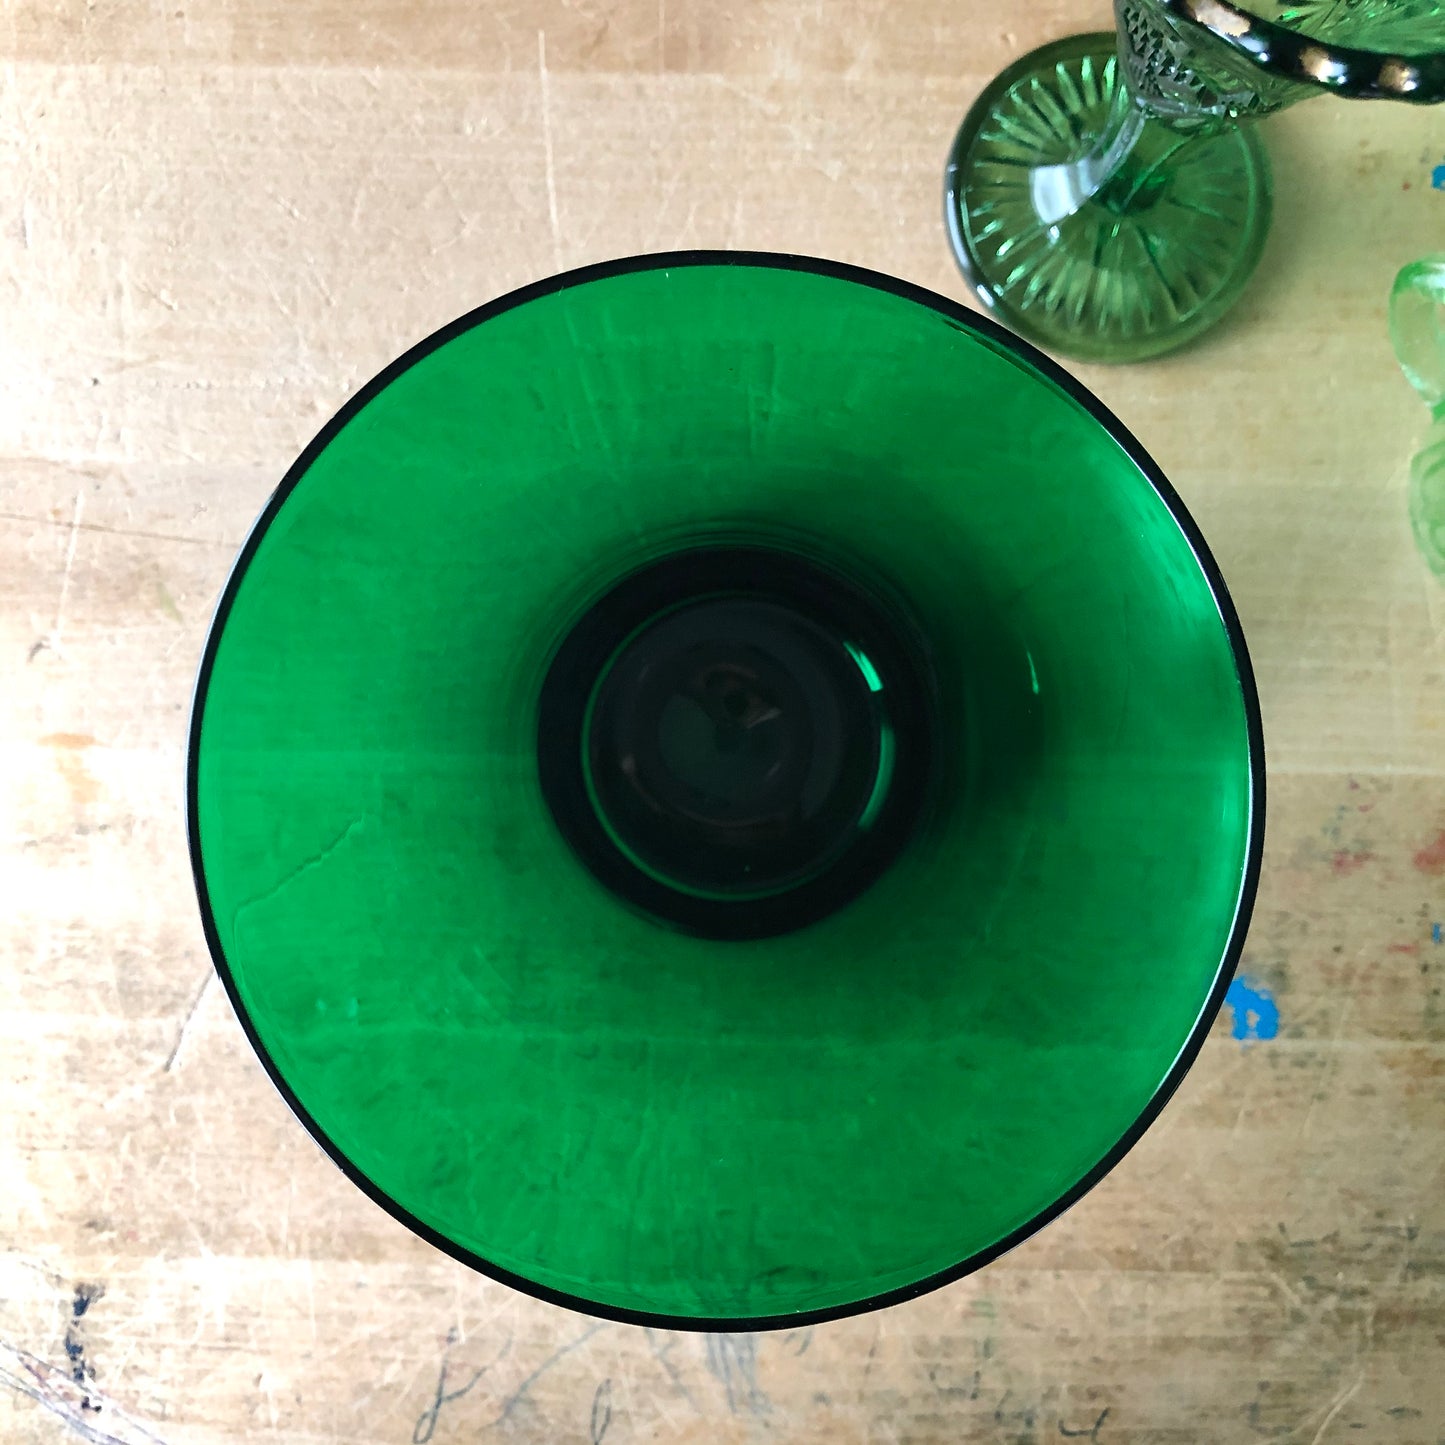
<point x="225" y="544"/>
<point x="660" y="1353"/>
<point x="967" y="1390"/>
<point x="868" y="1363"/>
<point x="1024" y="1415"/>
<point x="601" y="1412"/>
<point x="1091" y="1433"/>
<point x="426" y="1423"/>
<point x="1338" y="1404"/>
<point x="733" y="1359"/>
<point x="522" y="1390"/>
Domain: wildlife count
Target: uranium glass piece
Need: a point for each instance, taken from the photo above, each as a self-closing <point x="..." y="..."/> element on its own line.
<point x="530" y="1063"/>
<point x="1417" y="328"/>
<point x="1114" y="211"/>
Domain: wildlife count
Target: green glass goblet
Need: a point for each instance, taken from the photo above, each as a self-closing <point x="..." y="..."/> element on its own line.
<point x="725" y="790"/>
<point x="1417" y="328"/>
<point x="1106" y="195"/>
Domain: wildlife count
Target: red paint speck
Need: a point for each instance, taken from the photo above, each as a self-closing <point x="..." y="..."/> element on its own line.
<point x="1345" y="861"/>
<point x="1406" y="186"/>
<point x="1431" y="858"/>
<point x="1354" y="786"/>
<point x="1404" y="948"/>
<point x="1364" y="807"/>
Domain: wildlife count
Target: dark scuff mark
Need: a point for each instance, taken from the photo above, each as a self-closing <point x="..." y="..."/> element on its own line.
<point x="601" y="1412"/>
<point x="81" y="1370"/>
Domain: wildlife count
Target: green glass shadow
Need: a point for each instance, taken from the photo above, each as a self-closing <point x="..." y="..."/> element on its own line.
<point x="654" y="1125"/>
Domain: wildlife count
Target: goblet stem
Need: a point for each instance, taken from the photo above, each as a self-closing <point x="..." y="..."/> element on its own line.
<point x="1059" y="191"/>
<point x="1417" y="328"/>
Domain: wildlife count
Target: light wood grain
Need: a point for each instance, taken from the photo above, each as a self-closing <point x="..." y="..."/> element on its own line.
<point x="217" y="220"/>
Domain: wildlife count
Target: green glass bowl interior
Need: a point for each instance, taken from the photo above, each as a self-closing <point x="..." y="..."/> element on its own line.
<point x="572" y="1097"/>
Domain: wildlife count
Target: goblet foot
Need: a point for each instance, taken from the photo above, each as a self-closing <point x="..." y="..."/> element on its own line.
<point x="1083" y="242"/>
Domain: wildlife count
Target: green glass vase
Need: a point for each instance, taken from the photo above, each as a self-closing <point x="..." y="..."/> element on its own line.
<point x="1417" y="328"/>
<point x="1107" y="195"/>
<point x="725" y="790"/>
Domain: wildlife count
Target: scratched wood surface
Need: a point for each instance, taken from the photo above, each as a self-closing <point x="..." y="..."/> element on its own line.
<point x="217" y="218"/>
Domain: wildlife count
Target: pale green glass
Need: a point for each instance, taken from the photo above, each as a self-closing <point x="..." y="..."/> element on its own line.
<point x="1106" y="196"/>
<point x="1417" y="328"/>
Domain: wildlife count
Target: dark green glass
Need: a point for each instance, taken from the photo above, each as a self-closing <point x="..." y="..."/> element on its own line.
<point x="644" y="1112"/>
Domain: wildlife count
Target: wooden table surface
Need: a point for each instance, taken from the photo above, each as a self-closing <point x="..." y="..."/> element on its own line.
<point x="217" y="218"/>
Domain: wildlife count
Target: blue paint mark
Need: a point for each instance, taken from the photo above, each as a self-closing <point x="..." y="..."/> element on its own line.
<point x="1256" y="1015"/>
<point x="1435" y="934"/>
<point x="1437" y="178"/>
